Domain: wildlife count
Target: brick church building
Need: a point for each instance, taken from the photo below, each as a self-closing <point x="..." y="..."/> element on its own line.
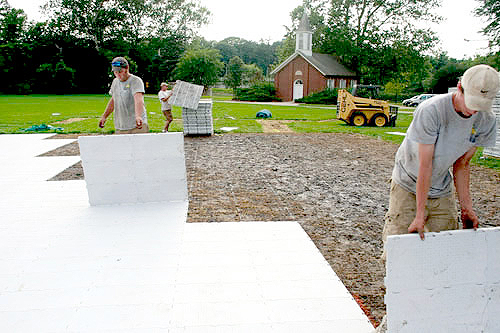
<point x="305" y="72"/>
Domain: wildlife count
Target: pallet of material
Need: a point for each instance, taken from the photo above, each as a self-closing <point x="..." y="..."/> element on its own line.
<point x="198" y="121"/>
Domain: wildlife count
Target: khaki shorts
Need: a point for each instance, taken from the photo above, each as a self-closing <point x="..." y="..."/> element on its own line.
<point x="143" y="129"/>
<point x="168" y="114"/>
<point x="440" y="213"/>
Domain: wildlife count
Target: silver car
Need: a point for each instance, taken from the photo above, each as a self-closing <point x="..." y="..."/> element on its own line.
<point x="416" y="100"/>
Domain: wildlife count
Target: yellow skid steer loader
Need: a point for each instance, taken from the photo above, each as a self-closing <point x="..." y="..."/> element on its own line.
<point x="359" y="111"/>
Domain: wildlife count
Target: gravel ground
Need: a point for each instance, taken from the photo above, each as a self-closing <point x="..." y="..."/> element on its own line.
<point x="335" y="185"/>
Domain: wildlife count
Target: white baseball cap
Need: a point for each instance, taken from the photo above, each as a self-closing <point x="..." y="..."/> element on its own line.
<point x="481" y="84"/>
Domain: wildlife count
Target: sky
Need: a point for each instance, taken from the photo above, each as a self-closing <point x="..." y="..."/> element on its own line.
<point x="265" y="20"/>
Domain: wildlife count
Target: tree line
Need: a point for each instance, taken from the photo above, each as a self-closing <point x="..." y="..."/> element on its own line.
<point x="389" y="43"/>
<point x="70" y="51"/>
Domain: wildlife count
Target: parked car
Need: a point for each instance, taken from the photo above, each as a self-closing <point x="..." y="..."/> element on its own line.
<point x="407" y="102"/>
<point x="416" y="100"/>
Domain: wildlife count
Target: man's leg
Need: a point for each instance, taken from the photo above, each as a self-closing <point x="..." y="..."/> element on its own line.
<point x="402" y="210"/>
<point x="169" y="118"/>
<point x="443" y="214"/>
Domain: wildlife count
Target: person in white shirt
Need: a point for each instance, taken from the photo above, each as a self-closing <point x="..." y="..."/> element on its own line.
<point x="163" y="95"/>
<point x="127" y="100"/>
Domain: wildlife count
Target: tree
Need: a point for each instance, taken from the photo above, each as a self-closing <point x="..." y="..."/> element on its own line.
<point x="490" y="11"/>
<point x="130" y="20"/>
<point x="57" y="78"/>
<point x="316" y="12"/>
<point x="234" y="73"/>
<point x="14" y="51"/>
<point x="376" y="37"/>
<point x="446" y="77"/>
<point x="285" y="49"/>
<point x="251" y="74"/>
<point x="262" y="53"/>
<point x="95" y="20"/>
<point x="200" y="66"/>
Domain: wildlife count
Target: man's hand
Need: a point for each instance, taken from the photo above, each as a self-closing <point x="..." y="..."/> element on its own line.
<point x="138" y="122"/>
<point x="102" y="122"/>
<point x="469" y="219"/>
<point x="417" y="226"/>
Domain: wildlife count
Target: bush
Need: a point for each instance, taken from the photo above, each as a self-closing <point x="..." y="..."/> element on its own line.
<point x="397" y="98"/>
<point x="258" y="92"/>
<point x="327" y="96"/>
<point x="385" y="96"/>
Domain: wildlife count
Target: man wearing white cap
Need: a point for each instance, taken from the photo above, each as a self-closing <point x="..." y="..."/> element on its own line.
<point x="166" y="108"/>
<point x="445" y="132"/>
<point x="127" y="100"/>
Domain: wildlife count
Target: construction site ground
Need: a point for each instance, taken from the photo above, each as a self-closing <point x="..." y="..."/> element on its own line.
<point x="335" y="185"/>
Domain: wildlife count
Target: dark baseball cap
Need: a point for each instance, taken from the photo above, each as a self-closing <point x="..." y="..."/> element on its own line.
<point x="118" y="63"/>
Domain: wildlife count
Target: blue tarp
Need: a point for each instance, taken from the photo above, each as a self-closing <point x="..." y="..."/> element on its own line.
<point x="264" y="114"/>
<point x="42" y="127"/>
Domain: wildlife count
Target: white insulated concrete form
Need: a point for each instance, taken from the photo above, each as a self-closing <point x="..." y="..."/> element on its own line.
<point x="198" y="121"/>
<point x="66" y="266"/>
<point x="495" y="151"/>
<point x="186" y="95"/>
<point x="134" y="168"/>
<point x="450" y="282"/>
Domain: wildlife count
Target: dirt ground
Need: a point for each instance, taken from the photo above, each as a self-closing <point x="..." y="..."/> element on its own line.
<point x="335" y="185"/>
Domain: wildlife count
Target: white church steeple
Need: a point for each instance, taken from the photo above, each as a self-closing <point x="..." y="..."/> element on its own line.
<point x="303" y="36"/>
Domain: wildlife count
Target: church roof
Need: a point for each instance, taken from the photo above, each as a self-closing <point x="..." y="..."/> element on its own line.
<point x="304" y="23"/>
<point x="324" y="63"/>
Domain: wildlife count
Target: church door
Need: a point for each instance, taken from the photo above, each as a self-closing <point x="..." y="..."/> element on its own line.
<point x="298" y="89"/>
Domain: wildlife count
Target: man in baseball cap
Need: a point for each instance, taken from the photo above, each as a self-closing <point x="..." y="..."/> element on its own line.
<point x="127" y="100"/>
<point x="445" y="133"/>
<point x="480" y="84"/>
<point x="118" y="63"/>
<point x="166" y="108"/>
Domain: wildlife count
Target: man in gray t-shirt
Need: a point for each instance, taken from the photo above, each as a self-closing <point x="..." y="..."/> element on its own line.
<point x="127" y="100"/>
<point x="445" y="133"/>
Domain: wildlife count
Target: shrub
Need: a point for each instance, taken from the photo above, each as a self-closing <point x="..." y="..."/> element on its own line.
<point x="327" y="96"/>
<point x="258" y="92"/>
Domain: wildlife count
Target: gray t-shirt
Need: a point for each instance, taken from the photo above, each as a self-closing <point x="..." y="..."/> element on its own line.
<point x="436" y="122"/>
<point x="123" y="97"/>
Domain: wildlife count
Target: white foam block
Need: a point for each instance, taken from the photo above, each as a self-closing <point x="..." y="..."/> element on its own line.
<point x="450" y="282"/>
<point x="186" y="94"/>
<point x="134" y="168"/>
<point x="68" y="267"/>
<point x="246" y="274"/>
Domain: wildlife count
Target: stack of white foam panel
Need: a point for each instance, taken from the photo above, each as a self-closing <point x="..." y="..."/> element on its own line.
<point x="132" y="168"/>
<point x="495" y="151"/>
<point x="450" y="282"/>
<point x="186" y="95"/>
<point x="198" y="121"/>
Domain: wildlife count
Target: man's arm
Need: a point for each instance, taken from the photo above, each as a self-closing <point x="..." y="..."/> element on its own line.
<point x="461" y="176"/>
<point x="168" y="94"/>
<point x="425" y="156"/>
<point x="139" y="108"/>
<point x="109" y="109"/>
<point x="163" y="96"/>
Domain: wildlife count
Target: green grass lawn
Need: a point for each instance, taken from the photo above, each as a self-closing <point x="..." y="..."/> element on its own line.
<point x="336" y="126"/>
<point x="20" y="112"/>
